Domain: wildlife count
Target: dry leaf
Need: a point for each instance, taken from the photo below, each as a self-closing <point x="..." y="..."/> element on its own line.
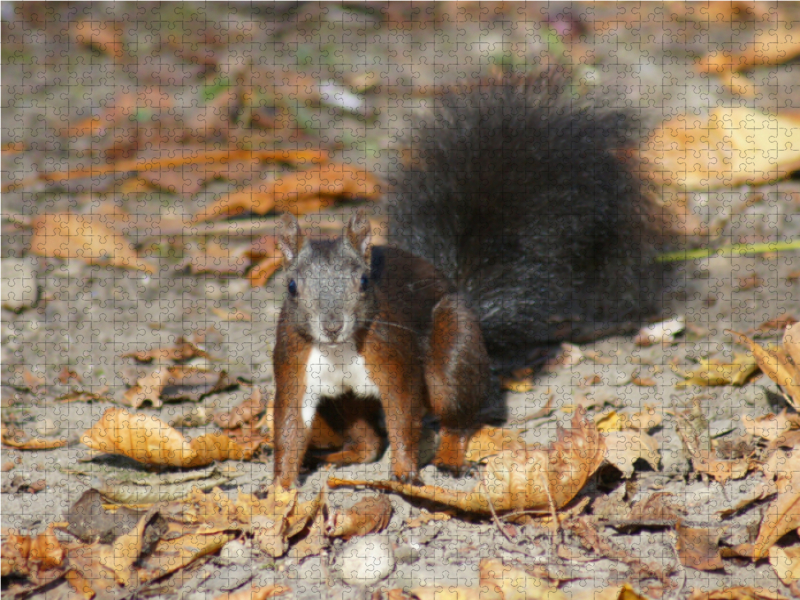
<point x="270" y="520"/>
<point x="173" y="554"/>
<point x="149" y="440"/>
<point x="713" y="372"/>
<point x="729" y="147"/>
<point x="182" y="351"/>
<point x="770" y="427"/>
<point x="368" y="515"/>
<point x="791" y="342"/>
<point x="510" y="583"/>
<point x="244" y="413"/>
<point x="32" y="382"/>
<point x="172" y="160"/>
<point x="655" y="508"/>
<point x="15" y="438"/>
<point x="177" y="382"/>
<point x="721" y="470"/>
<point x="232" y="315"/>
<point x="776" y="364"/>
<point x="255" y="593"/>
<point x="786" y="562"/>
<point x="775" y="42"/>
<point x="38" y="558"/>
<point x="783" y="513"/>
<point x="623" y="448"/>
<point x="288" y="190"/>
<point x="489" y="441"/>
<point x="615" y="592"/>
<point x="105" y="36"/>
<point x="738" y="593"/>
<point x="125" y="550"/>
<point x="698" y="547"/>
<point x="528" y="479"/>
<point x="87" y="238"/>
<point x="427" y="517"/>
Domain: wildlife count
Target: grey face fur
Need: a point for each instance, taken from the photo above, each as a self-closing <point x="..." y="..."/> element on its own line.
<point x="327" y="281"/>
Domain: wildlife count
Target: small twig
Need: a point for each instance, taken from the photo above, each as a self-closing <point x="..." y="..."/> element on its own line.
<point x="495" y="518"/>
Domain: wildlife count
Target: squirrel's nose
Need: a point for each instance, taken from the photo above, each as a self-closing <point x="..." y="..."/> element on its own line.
<point x="333" y="328"/>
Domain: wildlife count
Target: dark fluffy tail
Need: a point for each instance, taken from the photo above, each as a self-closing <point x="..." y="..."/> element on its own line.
<point x="530" y="200"/>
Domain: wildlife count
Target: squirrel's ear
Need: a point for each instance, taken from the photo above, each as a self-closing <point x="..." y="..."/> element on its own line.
<point x="358" y="232"/>
<point x="290" y="238"/>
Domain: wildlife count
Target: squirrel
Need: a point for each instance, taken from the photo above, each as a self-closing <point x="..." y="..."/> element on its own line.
<point x="521" y="220"/>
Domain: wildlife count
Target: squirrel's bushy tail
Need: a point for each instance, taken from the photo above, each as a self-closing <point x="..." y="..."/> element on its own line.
<point x="530" y="200"/>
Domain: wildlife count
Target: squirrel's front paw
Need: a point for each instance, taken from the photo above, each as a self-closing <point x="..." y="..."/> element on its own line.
<point x="452" y="451"/>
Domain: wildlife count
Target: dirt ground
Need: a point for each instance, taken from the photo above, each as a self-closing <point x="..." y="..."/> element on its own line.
<point x="85" y="317"/>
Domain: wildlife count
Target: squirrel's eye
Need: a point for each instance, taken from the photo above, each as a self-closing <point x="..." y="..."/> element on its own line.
<point x="364" y="282"/>
<point x="293" y="287"/>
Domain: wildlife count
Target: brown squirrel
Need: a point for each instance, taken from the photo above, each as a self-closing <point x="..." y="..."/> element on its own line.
<point x="518" y="222"/>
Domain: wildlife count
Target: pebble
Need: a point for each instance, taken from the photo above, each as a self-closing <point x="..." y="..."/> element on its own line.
<point x="19" y="288"/>
<point x="367" y="560"/>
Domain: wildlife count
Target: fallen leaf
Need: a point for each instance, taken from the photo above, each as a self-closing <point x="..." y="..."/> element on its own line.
<point x="615" y="592"/>
<point x="726" y="148"/>
<point x="287" y="190"/>
<point x="775" y="42"/>
<point x="786" y="562"/>
<point x="38" y="558"/>
<point x="105" y="36"/>
<point x="244" y="413"/>
<point x="427" y="517"/>
<point x="777" y="365"/>
<point x="529" y="479"/>
<point x="174" y="554"/>
<point x="774" y="326"/>
<point x="182" y="351"/>
<point x="172" y="160"/>
<point x="255" y="593"/>
<point x="489" y="441"/>
<point x="270" y="520"/>
<point x="87" y="238"/>
<point x="624" y="448"/>
<point x="738" y="593"/>
<point x="177" y="382"/>
<point x="698" y="547"/>
<point x="748" y="283"/>
<point x="368" y="515"/>
<point x="125" y="550"/>
<point x="66" y="375"/>
<point x="791" y="342"/>
<point x="783" y="513"/>
<point x="712" y="372"/>
<point x="655" y="508"/>
<point x="232" y="315"/>
<point x="150" y="441"/>
<point x="511" y="583"/>
<point x="15" y="438"/>
<point x="32" y="382"/>
<point x="719" y="469"/>
<point x="770" y="427"/>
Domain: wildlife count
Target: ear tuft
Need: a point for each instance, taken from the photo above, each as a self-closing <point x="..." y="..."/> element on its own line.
<point x="358" y="232"/>
<point x="289" y="237"/>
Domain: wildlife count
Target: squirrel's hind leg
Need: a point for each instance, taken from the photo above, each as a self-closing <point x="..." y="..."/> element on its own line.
<point x="458" y="378"/>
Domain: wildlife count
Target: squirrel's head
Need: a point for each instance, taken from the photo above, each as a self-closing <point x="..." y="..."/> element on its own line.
<point x="327" y="281"/>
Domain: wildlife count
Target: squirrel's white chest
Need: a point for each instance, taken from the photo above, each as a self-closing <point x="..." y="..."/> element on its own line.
<point x="333" y="370"/>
